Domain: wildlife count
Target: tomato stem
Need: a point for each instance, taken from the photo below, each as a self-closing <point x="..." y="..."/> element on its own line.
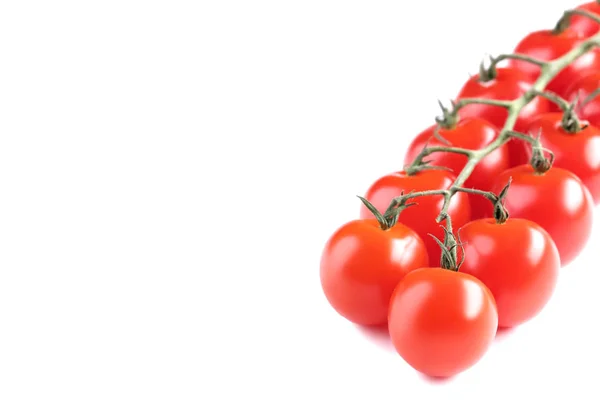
<point x="553" y="97"/>
<point x="570" y="123"/>
<point x="591" y="96"/>
<point x="487" y="74"/>
<point x="449" y="119"/>
<point x="587" y="14"/>
<point x="562" y="24"/>
<point x="515" y="56"/>
<point x="449" y="257"/>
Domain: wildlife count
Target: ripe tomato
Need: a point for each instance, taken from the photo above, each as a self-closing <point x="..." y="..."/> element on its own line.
<point x="577" y="152"/>
<point x="420" y="218"/>
<point x="546" y="46"/>
<point x="557" y="200"/>
<point x="508" y="84"/>
<point x="587" y="108"/>
<point x="583" y="26"/>
<point x="362" y="264"/>
<point x="517" y="260"/>
<point x="442" y="322"/>
<point x="473" y="133"/>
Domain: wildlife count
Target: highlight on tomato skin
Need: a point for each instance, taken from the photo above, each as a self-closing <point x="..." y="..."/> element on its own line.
<point x="469" y="133"/>
<point x="578" y="152"/>
<point x="557" y="200"/>
<point x="420" y="218"/>
<point x="517" y="260"/>
<point x="507" y="84"/>
<point x="547" y="45"/>
<point x="361" y="265"/>
<point x="442" y="322"/>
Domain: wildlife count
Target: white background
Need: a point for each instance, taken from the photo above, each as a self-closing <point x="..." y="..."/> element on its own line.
<point x="169" y="174"/>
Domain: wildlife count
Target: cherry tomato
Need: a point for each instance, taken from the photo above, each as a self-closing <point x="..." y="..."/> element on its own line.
<point x="545" y="45"/>
<point x="577" y="152"/>
<point x="420" y="218"/>
<point x="472" y="133"/>
<point x="508" y="84"/>
<point x="583" y="26"/>
<point x="362" y="264"/>
<point x="517" y="260"/>
<point x="442" y="322"/>
<point x="587" y="108"/>
<point x="557" y="200"/>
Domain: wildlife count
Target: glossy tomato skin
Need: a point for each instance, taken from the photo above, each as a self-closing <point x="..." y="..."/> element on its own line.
<point x="442" y="322"/>
<point x="546" y="46"/>
<point x="517" y="260"/>
<point x="583" y="26"/>
<point x="580" y="90"/>
<point x="474" y="134"/>
<point x="556" y="200"/>
<point x="509" y="84"/>
<point x="420" y="218"/>
<point x="361" y="265"/>
<point x="577" y="152"/>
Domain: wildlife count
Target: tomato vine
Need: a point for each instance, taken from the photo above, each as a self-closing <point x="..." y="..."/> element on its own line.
<point x="548" y="70"/>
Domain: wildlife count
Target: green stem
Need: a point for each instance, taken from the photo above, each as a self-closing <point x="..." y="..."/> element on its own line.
<point x="516" y="56"/>
<point x="570" y="123"/>
<point x="488" y="195"/>
<point x="591" y="96"/>
<point x="523" y="137"/>
<point x="592" y="16"/>
<point x="490" y="102"/>
<point x="449" y="118"/>
<point x="397" y="201"/>
<point x="438" y="149"/>
<point x="548" y="71"/>
<point x="556" y="99"/>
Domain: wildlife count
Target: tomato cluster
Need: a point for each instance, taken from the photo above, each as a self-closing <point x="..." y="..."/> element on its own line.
<point x="471" y="235"/>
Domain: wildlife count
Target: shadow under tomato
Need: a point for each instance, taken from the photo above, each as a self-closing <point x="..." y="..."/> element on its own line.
<point x="436" y="380"/>
<point x="503" y="333"/>
<point x="379" y="335"/>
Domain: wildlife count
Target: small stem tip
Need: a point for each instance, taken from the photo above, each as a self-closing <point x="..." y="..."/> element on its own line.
<point x="500" y="212"/>
<point x="570" y="123"/>
<point x="449" y="117"/>
<point x="487" y="74"/>
<point x="539" y="161"/>
<point x="562" y="24"/>
<point x="449" y="258"/>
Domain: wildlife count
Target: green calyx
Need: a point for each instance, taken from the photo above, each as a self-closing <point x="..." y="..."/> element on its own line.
<point x="422" y="165"/>
<point x="449" y="259"/>
<point x="540" y="163"/>
<point x="570" y="123"/>
<point x="500" y="212"/>
<point x="390" y="217"/>
<point x="449" y="118"/>
<point x="487" y="74"/>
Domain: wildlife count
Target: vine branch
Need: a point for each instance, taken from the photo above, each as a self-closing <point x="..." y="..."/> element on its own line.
<point x="549" y="69"/>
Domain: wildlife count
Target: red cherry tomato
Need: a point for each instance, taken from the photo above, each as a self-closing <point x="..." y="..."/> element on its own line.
<point x="474" y="133"/>
<point x="545" y="45"/>
<point x="557" y="200"/>
<point x="362" y="264"/>
<point x="517" y="260"/>
<point x="587" y="108"/>
<point x="583" y="26"/>
<point x="442" y="322"/>
<point x="577" y="152"/>
<point x="420" y="218"/>
<point x="508" y="84"/>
